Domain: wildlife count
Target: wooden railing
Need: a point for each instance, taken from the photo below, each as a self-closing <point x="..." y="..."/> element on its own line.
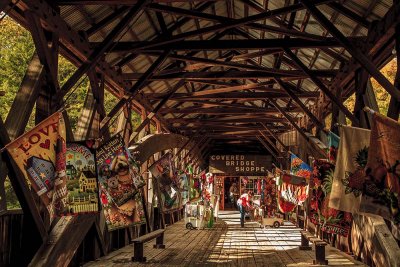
<point x="11" y="224"/>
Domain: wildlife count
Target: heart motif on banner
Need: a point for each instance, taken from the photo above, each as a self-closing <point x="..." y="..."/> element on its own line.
<point x="45" y="144"/>
<point x="108" y="161"/>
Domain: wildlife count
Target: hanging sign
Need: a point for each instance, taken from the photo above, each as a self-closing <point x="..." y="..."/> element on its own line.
<point x="240" y="164"/>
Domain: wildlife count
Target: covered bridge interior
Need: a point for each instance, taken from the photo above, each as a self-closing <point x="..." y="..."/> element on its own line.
<point x="226" y="77"/>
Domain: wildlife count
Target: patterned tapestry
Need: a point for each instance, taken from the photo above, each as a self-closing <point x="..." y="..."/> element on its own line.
<point x="331" y="220"/>
<point x="119" y="182"/>
<point x="382" y="183"/>
<point x="269" y="196"/>
<point x="83" y="193"/>
<point x="164" y="181"/>
<point x="349" y="174"/>
<point x="40" y="155"/>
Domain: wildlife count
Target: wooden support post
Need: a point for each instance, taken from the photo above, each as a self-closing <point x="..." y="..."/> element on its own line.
<point x="64" y="239"/>
<point x="394" y="105"/>
<point x="361" y="81"/>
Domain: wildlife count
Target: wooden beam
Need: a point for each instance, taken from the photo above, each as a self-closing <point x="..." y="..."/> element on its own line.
<point x="114" y="2"/>
<point x="64" y="240"/>
<point x="106" y="21"/>
<point x="322" y="86"/>
<point x="292" y="122"/>
<point x="275" y="136"/>
<point x="176" y="39"/>
<point x="229" y="64"/>
<point x="222" y="19"/>
<point x="267" y="147"/>
<point x="350" y="14"/>
<point x="135" y="88"/>
<point x="248" y="96"/>
<point x="103" y="47"/>
<point x="25" y="99"/>
<point x="231" y="75"/>
<point x="300" y="103"/>
<point x="254" y="44"/>
<point x="218" y="111"/>
<point x="156" y="109"/>
<point x="355" y="52"/>
<point x="394" y="105"/>
<point x="45" y="49"/>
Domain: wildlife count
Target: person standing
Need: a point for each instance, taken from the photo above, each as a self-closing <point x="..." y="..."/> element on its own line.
<point x="244" y="202"/>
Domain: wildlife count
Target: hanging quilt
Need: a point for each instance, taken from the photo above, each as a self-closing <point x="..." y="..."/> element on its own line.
<point x="40" y="155"/>
<point x="195" y="188"/>
<point x="349" y="172"/>
<point x="119" y="184"/>
<point x="168" y="192"/>
<point x="183" y="186"/>
<point x="382" y="183"/>
<point x="330" y="219"/>
<point x="81" y="174"/>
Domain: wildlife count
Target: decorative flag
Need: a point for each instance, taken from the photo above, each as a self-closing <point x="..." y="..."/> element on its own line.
<point x="184" y="187"/>
<point x="119" y="182"/>
<point x="331" y="220"/>
<point x="299" y="167"/>
<point x="168" y="192"/>
<point x="283" y="205"/>
<point x="381" y="188"/>
<point x="333" y="146"/>
<point x="83" y="193"/>
<point x="349" y="172"/>
<point x="269" y="196"/>
<point x="195" y="189"/>
<point x="40" y="154"/>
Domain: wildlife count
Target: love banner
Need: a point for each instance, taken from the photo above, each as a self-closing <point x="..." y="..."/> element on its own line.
<point x="119" y="181"/>
<point x="40" y="155"/>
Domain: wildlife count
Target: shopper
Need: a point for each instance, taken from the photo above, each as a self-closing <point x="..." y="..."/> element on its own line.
<point x="244" y="203"/>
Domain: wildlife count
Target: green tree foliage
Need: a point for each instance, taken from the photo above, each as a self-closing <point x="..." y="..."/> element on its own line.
<point x="16" y="50"/>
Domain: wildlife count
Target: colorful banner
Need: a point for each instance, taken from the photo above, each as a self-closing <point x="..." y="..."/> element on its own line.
<point x="195" y="189"/>
<point x="299" y="167"/>
<point x="183" y="185"/>
<point x="119" y="181"/>
<point x="40" y="154"/>
<point x="269" y="196"/>
<point x="333" y="146"/>
<point x="168" y="192"/>
<point x="382" y="183"/>
<point x="284" y="205"/>
<point x="349" y="172"/>
<point x="331" y="220"/>
<point x="81" y="174"/>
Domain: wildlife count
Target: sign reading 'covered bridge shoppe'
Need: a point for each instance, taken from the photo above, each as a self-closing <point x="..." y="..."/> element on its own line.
<point x="240" y="164"/>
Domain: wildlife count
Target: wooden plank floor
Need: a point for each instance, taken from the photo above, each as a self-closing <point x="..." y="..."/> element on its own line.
<point x="226" y="244"/>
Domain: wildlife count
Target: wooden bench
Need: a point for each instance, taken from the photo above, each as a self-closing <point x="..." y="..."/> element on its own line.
<point x="138" y="244"/>
<point x="320" y="245"/>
